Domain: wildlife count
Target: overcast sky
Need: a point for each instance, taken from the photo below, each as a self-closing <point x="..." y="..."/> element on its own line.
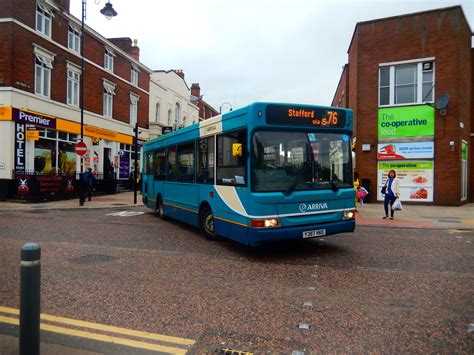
<point x="241" y="51"/>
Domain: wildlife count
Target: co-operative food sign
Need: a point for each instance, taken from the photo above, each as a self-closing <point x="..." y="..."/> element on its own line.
<point x="409" y="121"/>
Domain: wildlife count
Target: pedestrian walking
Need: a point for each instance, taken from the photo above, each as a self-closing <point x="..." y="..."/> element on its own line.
<point x="391" y="191"/>
<point x="356" y="186"/>
<point x="89" y="180"/>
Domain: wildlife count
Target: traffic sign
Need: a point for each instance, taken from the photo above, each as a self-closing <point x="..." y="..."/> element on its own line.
<point x="81" y="148"/>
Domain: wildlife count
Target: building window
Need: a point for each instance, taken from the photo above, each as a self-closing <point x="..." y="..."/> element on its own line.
<point x="55" y="152"/>
<point x="133" y="108"/>
<point x="109" y="92"/>
<point x="157" y="114"/>
<point x="134" y="75"/>
<point x="73" y="81"/>
<point x="43" y="20"/>
<point x="169" y="118"/>
<point x="177" y="115"/>
<point x="74" y="39"/>
<point x="406" y="83"/>
<point x="43" y="66"/>
<point x="109" y="59"/>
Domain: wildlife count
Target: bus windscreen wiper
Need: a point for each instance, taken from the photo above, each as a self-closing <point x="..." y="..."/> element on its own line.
<point x="333" y="185"/>
<point x="293" y="185"/>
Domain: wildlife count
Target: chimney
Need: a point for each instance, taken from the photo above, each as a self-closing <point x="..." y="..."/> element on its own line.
<point x="195" y="90"/>
<point x="180" y="73"/>
<point x="135" y="51"/>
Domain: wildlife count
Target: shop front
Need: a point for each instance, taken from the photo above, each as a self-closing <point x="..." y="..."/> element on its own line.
<point x="43" y="163"/>
<point x="406" y="145"/>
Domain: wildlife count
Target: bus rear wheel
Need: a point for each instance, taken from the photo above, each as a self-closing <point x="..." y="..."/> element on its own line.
<point x="160" y="209"/>
<point x="206" y="221"/>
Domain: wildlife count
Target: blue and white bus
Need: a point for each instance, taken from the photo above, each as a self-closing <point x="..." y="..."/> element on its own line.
<point x="265" y="172"/>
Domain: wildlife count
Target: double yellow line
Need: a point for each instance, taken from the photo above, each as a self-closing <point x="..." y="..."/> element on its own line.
<point x="180" y="345"/>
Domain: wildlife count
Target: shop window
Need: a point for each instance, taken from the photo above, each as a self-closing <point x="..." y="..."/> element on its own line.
<point x="205" y="168"/>
<point x="109" y="59"/>
<point x="186" y="162"/>
<point x="231" y="170"/>
<point x="54" y="156"/>
<point x="406" y="83"/>
<point x="171" y="169"/>
<point x="43" y="20"/>
<point x="62" y="136"/>
<point x="73" y="83"/>
<point x="74" y="39"/>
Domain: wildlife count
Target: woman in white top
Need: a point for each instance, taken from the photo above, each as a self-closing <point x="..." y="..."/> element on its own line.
<point x="392" y="192"/>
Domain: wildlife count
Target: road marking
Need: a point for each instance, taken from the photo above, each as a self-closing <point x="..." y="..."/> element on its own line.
<point x="125" y="214"/>
<point x="104" y="328"/>
<point x="100" y="337"/>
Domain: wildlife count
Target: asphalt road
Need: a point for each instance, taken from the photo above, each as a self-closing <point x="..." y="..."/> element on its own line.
<point x="377" y="290"/>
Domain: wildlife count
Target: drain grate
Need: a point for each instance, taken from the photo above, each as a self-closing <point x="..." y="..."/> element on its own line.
<point x="92" y="259"/>
<point x="227" y="351"/>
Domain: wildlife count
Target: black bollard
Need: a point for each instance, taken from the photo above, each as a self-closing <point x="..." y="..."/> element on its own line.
<point x="30" y="286"/>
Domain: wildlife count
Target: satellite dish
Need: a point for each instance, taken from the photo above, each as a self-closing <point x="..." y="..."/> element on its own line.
<point x="442" y="102"/>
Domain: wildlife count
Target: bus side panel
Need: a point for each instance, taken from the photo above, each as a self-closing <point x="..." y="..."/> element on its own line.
<point x="149" y="191"/>
<point x="180" y="202"/>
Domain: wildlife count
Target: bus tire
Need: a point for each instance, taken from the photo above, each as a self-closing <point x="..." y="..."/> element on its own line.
<point x="206" y="222"/>
<point x="160" y="211"/>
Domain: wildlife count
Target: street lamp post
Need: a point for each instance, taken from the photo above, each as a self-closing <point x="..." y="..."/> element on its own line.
<point x="109" y="12"/>
<point x="225" y="103"/>
<point x="135" y="164"/>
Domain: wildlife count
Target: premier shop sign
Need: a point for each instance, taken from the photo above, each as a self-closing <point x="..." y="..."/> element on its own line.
<point x="407" y="121"/>
<point x="36" y="119"/>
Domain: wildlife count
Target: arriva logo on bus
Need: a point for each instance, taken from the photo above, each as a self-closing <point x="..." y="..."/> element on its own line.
<point x="310" y="207"/>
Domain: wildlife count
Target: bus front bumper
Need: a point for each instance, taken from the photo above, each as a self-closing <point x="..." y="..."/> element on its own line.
<point x="259" y="236"/>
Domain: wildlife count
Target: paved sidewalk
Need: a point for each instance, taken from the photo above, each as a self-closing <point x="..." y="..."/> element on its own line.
<point x="124" y="199"/>
<point x="412" y="216"/>
<point x="418" y="216"/>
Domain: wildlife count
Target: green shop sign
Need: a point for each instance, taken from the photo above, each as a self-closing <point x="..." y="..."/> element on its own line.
<point x="407" y="121"/>
<point x="416" y="165"/>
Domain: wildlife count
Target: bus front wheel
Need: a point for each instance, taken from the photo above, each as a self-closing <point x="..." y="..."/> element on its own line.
<point x="206" y="219"/>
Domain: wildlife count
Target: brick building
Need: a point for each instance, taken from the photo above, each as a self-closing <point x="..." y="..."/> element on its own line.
<point x="205" y="110"/>
<point x="397" y="68"/>
<point x="40" y="76"/>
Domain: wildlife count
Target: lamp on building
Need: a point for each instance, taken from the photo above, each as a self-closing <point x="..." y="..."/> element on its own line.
<point x="109" y="12"/>
<point x="225" y="103"/>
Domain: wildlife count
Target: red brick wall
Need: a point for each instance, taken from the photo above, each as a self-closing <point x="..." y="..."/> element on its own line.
<point x="443" y="35"/>
<point x="341" y="96"/>
<point x="16" y="46"/>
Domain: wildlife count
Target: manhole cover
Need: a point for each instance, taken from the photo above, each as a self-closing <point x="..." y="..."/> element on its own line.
<point x="92" y="259"/>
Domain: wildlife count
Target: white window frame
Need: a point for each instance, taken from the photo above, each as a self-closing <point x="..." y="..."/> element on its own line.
<point x="74" y="38"/>
<point x="157" y="112"/>
<point x="134" y="108"/>
<point x="43" y="19"/>
<point x="73" y="85"/>
<point x="43" y="65"/>
<point x="109" y="59"/>
<point x="177" y="115"/>
<point x="109" y="92"/>
<point x="419" y="81"/>
<point x="134" y="75"/>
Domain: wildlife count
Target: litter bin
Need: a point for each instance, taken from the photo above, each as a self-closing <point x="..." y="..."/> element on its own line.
<point x="366" y="184"/>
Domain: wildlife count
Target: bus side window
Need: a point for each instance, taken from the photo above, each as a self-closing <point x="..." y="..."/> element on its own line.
<point x="231" y="170"/>
<point x="205" y="173"/>
<point x="171" y="168"/>
<point x="149" y="164"/>
<point x="186" y="162"/>
<point x="160" y="164"/>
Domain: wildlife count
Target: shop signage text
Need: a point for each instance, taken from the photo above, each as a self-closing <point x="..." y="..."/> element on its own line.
<point x="409" y="150"/>
<point x="409" y="121"/>
<point x="20" y="135"/>
<point x="33" y="118"/>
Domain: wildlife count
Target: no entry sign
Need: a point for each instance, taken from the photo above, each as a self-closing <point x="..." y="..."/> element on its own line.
<point x="81" y="148"/>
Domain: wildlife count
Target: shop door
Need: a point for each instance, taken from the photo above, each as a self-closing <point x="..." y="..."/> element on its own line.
<point x="108" y="167"/>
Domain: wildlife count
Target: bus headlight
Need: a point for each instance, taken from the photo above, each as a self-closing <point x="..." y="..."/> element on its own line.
<point x="265" y="223"/>
<point x="348" y="215"/>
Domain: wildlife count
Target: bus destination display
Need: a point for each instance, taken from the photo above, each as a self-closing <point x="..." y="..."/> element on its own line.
<point x="305" y="116"/>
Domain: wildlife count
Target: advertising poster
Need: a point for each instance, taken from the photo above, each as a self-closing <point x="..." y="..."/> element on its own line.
<point x="407" y="121"/>
<point x="415" y="179"/>
<point x="124" y="169"/>
<point x="415" y="150"/>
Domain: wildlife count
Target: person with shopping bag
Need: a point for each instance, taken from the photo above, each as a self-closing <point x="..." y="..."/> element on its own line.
<point x="391" y="191"/>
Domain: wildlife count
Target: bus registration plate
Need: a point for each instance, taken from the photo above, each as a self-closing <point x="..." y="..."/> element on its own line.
<point x="314" y="233"/>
